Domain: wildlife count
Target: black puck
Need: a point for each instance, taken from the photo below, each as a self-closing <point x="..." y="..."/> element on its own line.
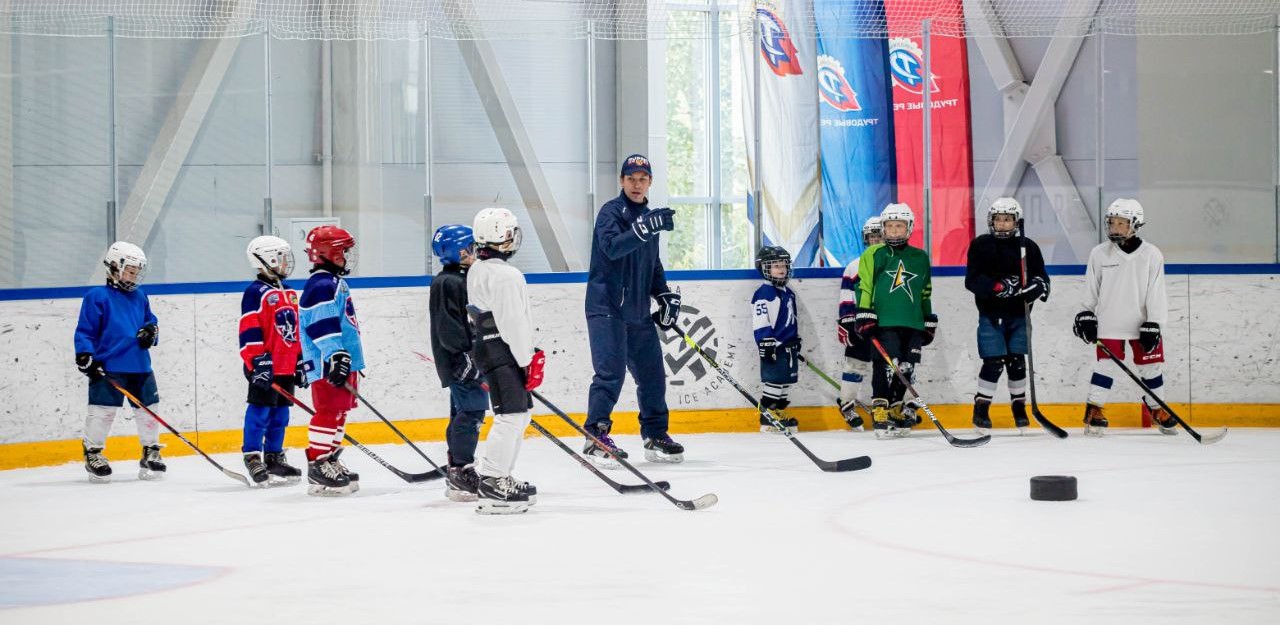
<point x="1053" y="488"/>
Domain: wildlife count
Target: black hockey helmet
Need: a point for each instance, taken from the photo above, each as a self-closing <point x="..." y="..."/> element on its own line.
<point x="767" y="257"/>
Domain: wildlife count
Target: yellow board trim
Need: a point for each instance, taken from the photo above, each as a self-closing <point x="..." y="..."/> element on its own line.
<point x="955" y="417"/>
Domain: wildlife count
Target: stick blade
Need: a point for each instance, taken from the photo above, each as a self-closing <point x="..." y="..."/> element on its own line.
<point x="969" y="442"/>
<point x="1047" y="424"/>
<point x="237" y="477"/>
<point x="1209" y="439"/>
<point x="414" y="478"/>
<point x="848" y="464"/>
<point x="701" y="503"/>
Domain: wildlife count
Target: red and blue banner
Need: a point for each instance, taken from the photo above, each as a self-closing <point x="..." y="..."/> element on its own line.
<point x="952" y="159"/>
<point x="856" y="127"/>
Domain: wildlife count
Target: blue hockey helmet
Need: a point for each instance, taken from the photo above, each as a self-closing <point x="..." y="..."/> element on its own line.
<point x="449" y="241"/>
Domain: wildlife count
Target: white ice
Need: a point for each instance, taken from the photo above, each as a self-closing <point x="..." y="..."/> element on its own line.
<point x="1165" y="531"/>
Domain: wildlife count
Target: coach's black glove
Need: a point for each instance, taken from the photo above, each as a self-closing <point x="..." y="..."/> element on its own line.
<point x="656" y="220"/>
<point x="668" y="310"/>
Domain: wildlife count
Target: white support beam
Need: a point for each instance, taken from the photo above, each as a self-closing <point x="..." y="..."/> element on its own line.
<point x="8" y="211"/>
<point x="517" y="147"/>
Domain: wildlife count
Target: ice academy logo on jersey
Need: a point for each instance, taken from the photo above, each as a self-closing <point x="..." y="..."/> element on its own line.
<point x="906" y="63"/>
<point x="775" y="41"/>
<point x="688" y="376"/>
<point x="833" y="87"/>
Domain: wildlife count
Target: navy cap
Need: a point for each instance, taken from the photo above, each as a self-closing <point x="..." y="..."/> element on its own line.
<point x="636" y="162"/>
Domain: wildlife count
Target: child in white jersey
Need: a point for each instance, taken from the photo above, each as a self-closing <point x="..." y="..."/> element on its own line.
<point x="1125" y="302"/>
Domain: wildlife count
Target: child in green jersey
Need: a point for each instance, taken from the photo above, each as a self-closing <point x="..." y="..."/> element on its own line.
<point x="894" y="309"/>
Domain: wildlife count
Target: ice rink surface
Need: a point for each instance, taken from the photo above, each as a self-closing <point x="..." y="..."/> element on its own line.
<point x="1165" y="531"/>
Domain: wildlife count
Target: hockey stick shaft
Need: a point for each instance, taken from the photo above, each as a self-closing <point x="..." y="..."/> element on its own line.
<point x="704" y="501"/>
<point x="951" y="438"/>
<point x="225" y="471"/>
<point x="847" y="464"/>
<point x="408" y="477"/>
<point x="352" y="390"/>
<point x="1031" y="361"/>
<point x="1147" y="389"/>
<point x="830" y="380"/>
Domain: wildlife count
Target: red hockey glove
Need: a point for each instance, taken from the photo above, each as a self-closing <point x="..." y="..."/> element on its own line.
<point x="533" y="373"/>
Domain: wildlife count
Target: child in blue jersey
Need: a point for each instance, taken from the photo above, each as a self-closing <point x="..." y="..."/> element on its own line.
<point x="331" y="356"/>
<point x="115" y="331"/>
<point x="777" y="334"/>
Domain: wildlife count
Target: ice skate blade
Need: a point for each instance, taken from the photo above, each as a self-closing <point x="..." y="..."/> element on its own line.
<point x="1094" y="431"/>
<point x="274" y="481"/>
<point x="99" y="479"/>
<point x="653" y="455"/>
<point x="981" y="431"/>
<point x="460" y="496"/>
<point x="493" y="506"/>
<point x="603" y="462"/>
<point x="769" y="429"/>
<point x="319" y="490"/>
<point x="149" y="475"/>
<point x="1173" y="431"/>
<point x="1022" y="430"/>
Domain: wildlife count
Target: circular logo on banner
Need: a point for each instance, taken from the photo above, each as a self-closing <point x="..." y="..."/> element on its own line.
<point x="833" y="87"/>
<point x="690" y="378"/>
<point x="775" y="41"/>
<point x="906" y="63"/>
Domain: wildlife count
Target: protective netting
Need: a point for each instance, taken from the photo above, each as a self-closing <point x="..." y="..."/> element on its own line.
<point x="623" y="19"/>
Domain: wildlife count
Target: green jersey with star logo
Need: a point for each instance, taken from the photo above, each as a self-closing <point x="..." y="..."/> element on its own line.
<point x="897" y="284"/>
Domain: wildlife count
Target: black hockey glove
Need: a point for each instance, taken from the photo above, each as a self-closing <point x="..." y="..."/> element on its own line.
<point x="338" y="368"/>
<point x="930" y="328"/>
<point x="148" y="335"/>
<point x="847" y="329"/>
<point x="90" y="366"/>
<point x="1086" y="327"/>
<point x="1006" y="288"/>
<point x="867" y="323"/>
<point x="1149" y="336"/>
<point x="656" y="220"/>
<point x="465" y="369"/>
<point x="1036" y="288"/>
<point x="262" y="375"/>
<point x="300" y="374"/>
<point x="668" y="310"/>
<point x="768" y="349"/>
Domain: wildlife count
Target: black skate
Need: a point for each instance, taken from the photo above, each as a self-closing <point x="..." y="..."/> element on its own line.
<point x="1020" y="419"/>
<point x="911" y="410"/>
<point x="501" y="495"/>
<point x="462" y="484"/>
<point x="325" y="479"/>
<point x="526" y="489"/>
<point x="96" y="464"/>
<point x="352" y="476"/>
<point x="600" y="457"/>
<point x="257" y="470"/>
<point x="278" y="467"/>
<point x="1095" y="422"/>
<point x="767" y="426"/>
<point x="850" y="413"/>
<point x="151" y="465"/>
<point x="663" y="449"/>
<point x="982" y="417"/>
<point x="900" y="423"/>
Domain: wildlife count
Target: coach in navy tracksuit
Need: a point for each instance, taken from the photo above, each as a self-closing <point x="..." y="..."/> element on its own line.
<point x="625" y="273"/>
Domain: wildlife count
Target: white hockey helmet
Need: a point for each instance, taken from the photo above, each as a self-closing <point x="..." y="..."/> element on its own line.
<point x="1003" y="206"/>
<point x="273" y="254"/>
<point x="897" y="212"/>
<point x="1129" y="209"/>
<point x="498" y="230"/>
<point x="872" y="227"/>
<point x="121" y="256"/>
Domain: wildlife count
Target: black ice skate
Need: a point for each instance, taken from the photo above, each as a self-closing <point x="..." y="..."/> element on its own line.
<point x="325" y="479"/>
<point x="911" y="410"/>
<point x="501" y="495"/>
<point x="257" y="470"/>
<point x="96" y="464"/>
<point x="663" y="449"/>
<point x="462" y="484"/>
<point x="600" y="457"/>
<point x="526" y="489"/>
<point x="982" y="416"/>
<point x="1095" y="422"/>
<point x="280" y="470"/>
<point x="900" y="423"/>
<point x="1020" y="419"/>
<point x="790" y="423"/>
<point x="352" y="476"/>
<point x="151" y="465"/>
<point x="851" y="417"/>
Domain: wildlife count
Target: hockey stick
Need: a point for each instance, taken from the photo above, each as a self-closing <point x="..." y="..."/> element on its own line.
<point x="1206" y="440"/>
<point x="701" y="503"/>
<point x="848" y="464"/>
<point x="352" y="390"/>
<point x="951" y="438"/>
<point x="225" y="471"/>
<point x="412" y="478"/>
<point x="1031" y="363"/>
<point x="830" y="380"/>
<point x="625" y="489"/>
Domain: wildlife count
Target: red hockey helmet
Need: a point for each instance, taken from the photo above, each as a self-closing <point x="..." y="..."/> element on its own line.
<point x="328" y="244"/>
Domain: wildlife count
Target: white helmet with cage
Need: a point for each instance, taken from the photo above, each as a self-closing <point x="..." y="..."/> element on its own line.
<point x="498" y="230"/>
<point x="271" y="254"/>
<point x="1127" y="209"/>
<point x="1004" y="206"/>
<point x="871" y="228"/>
<point x="897" y="212"/>
<point x="126" y="265"/>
